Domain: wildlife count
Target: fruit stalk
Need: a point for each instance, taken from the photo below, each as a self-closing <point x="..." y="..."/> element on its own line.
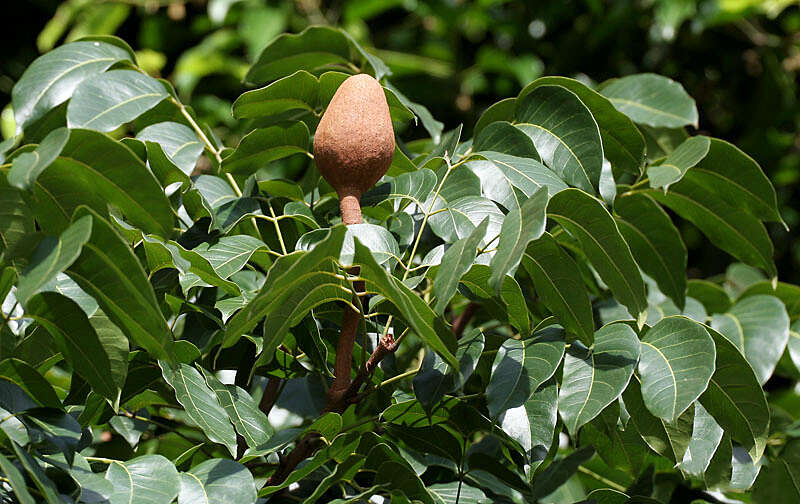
<point x="353" y="148"/>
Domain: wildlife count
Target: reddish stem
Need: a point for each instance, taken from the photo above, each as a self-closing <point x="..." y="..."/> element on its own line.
<point x="350" y="205"/>
<point x="461" y="322"/>
<point x="344" y="350"/>
<point x="270" y="395"/>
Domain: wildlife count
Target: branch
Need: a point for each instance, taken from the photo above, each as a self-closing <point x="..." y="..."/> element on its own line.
<point x="460" y="323"/>
<point x="304" y="449"/>
<point x="271" y="392"/>
<point x="344" y="350"/>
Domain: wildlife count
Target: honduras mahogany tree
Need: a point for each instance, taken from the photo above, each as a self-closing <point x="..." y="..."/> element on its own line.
<point x="510" y="320"/>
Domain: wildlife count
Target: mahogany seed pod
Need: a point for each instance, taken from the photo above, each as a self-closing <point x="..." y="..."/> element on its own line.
<point x="354" y="142"/>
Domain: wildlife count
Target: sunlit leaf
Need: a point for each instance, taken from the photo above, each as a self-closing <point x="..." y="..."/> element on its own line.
<point x="651" y="99"/>
<point x="595" y="377"/>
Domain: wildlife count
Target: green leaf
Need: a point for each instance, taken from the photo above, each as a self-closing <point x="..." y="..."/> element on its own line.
<point x="376" y="238"/>
<point x="458" y="258"/>
<point x="401" y="478"/>
<point x="77" y="341"/>
<point x="712" y="296"/>
<point x="595" y="377"/>
<point x="651" y="428"/>
<point x="297" y="91"/>
<point x="609" y="496"/>
<point x="533" y="424"/>
<point x="431" y="125"/>
<point x="521" y="366"/>
<point x="430" y="328"/>
<point x="589" y="222"/>
<point x="219" y="200"/>
<point x="676" y="363"/>
<point x="433" y="439"/>
<point x="542" y="412"/>
<point x="655" y="243"/>
<point x="414" y="186"/>
<point x="520" y="227"/>
<point x="301" y="213"/>
<point x="435" y="378"/>
<point x="94" y="487"/>
<point x="504" y="177"/>
<point x="345" y="471"/>
<point x="281" y="277"/>
<point x="623" y="144"/>
<point x="735" y="399"/>
<point x="341" y="447"/>
<point x="193" y="268"/>
<point x="555" y="276"/>
<point x="413" y="413"/>
<point x="13" y="427"/>
<point x="51" y="79"/>
<point x="456" y="493"/>
<point x="106" y="101"/>
<point x="458" y="219"/>
<point x="5" y="146"/>
<point x="16" y="217"/>
<point x="620" y="446"/>
<point x="51" y="257"/>
<point x="735" y="176"/>
<point x="565" y="134"/>
<point x="314" y="49"/>
<point x="661" y="141"/>
<point x="217" y="481"/>
<point x="652" y="100"/>
<point x="322" y="285"/>
<point x="16" y="481"/>
<point x="108" y="270"/>
<point x="759" y="327"/>
<point x="513" y="307"/>
<point x="264" y="145"/>
<point x="560" y="471"/>
<point x="178" y="142"/>
<point x="502" y="136"/>
<point x="28" y="379"/>
<point x="777" y="483"/>
<point x="47" y="488"/>
<point x="103" y="169"/>
<point x="446" y="148"/>
<point x="60" y="431"/>
<point x="727" y="226"/>
<point x="28" y="165"/>
<point x="215" y="190"/>
<point x="149" y="479"/>
<point x="685" y="156"/>
<point x="230" y="253"/>
<point x="379" y="68"/>
<point x="502" y="110"/>
<point x="200" y="403"/>
<point x="706" y="436"/>
<point x="242" y="411"/>
<point x="130" y="428"/>
<point x="789" y="294"/>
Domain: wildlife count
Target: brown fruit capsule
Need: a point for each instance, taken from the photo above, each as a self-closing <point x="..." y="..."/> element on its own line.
<point x="354" y="143"/>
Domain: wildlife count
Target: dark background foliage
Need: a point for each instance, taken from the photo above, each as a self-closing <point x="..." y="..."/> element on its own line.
<point x="739" y="60"/>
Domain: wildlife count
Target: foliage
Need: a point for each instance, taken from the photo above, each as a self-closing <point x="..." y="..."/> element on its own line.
<point x="528" y="333"/>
